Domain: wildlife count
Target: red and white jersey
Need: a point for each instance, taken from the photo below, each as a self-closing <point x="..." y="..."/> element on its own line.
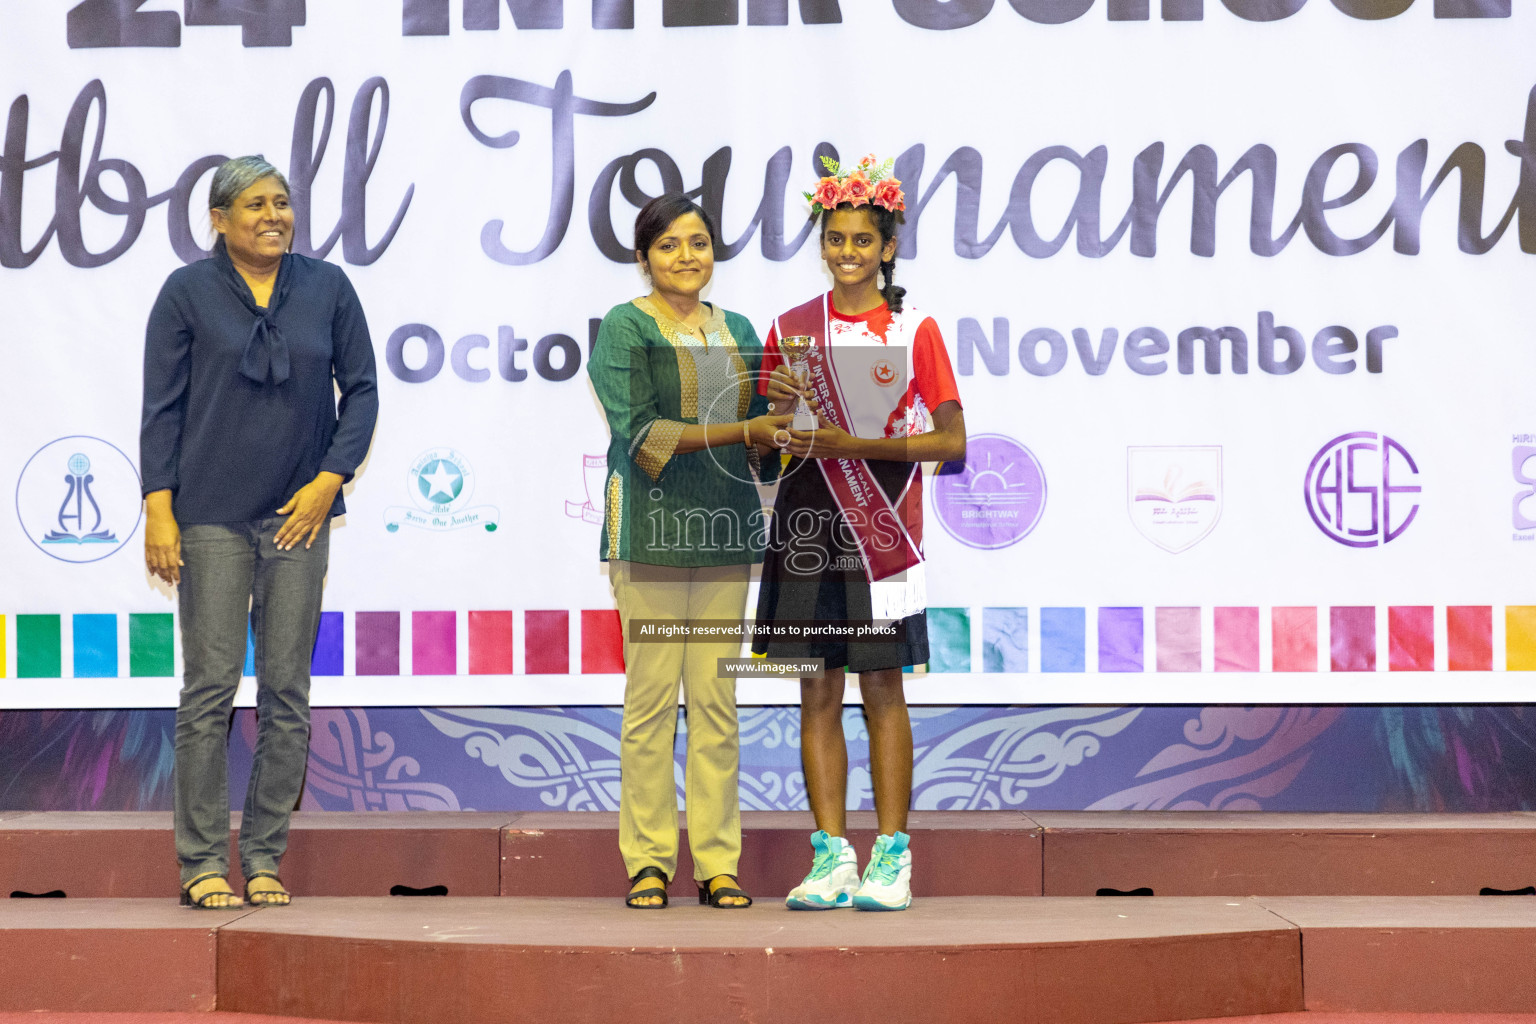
<point x="892" y="369"/>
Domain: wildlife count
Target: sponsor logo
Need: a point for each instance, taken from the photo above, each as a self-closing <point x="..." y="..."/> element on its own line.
<point x="1362" y="489"/>
<point x="995" y="497"/>
<point x="441" y="483"/>
<point x="594" y="474"/>
<point x="78" y="499"/>
<point x="1523" y="465"/>
<point x="1173" y="494"/>
<point x="883" y="373"/>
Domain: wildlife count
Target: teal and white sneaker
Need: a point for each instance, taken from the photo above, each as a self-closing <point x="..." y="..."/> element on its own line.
<point x="834" y="876"/>
<point x="888" y="876"/>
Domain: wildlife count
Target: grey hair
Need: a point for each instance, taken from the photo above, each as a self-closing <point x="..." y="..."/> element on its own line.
<point x="235" y="176"/>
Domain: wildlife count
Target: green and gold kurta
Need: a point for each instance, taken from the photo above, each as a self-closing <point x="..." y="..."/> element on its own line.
<point x="654" y="377"/>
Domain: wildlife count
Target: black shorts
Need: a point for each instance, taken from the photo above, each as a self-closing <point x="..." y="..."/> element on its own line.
<point x="812" y="573"/>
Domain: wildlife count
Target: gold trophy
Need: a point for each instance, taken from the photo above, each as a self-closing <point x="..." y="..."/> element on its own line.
<point x="795" y="348"/>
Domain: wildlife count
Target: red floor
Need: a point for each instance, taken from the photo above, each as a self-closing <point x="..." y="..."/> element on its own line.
<point x="1383" y="907"/>
<point x="1272" y="1018"/>
<point x="1362" y="1018"/>
<point x="45" y="1017"/>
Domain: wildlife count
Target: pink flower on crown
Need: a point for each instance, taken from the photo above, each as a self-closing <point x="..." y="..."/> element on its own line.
<point x="829" y="192"/>
<point x="889" y="195"/>
<point x="869" y="161"/>
<point x="857" y="189"/>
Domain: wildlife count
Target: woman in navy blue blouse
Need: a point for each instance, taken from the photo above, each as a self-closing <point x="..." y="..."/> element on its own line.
<point x="244" y="451"/>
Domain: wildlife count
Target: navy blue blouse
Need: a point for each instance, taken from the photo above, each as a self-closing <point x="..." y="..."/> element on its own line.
<point x="239" y="406"/>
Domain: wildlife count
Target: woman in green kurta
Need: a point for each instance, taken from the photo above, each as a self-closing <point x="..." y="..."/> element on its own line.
<point x="682" y="525"/>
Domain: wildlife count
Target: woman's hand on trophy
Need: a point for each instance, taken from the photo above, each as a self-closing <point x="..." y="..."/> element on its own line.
<point x="770" y="431"/>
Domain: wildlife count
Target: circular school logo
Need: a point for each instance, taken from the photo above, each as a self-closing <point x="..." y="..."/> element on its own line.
<point x="441" y="484"/>
<point x="79" y="499"/>
<point x="1362" y="489"/>
<point x="440" y="480"/>
<point x="995" y="497"/>
<point x="883" y="373"/>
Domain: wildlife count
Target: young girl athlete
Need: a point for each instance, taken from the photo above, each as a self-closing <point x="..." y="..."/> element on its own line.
<point x="845" y="551"/>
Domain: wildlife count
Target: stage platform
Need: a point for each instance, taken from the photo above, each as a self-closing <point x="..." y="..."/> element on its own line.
<point x="1197" y="853"/>
<point x="1253" y="914"/>
<point x="965" y="853"/>
<point x="1054" y="960"/>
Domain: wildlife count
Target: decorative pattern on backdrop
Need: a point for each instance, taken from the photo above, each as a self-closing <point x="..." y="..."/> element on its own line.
<point x="971" y="757"/>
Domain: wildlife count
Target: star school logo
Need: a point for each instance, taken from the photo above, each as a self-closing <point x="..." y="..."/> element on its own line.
<point x="883" y="373"/>
<point x="440" y="481"/>
<point x="78" y="499"/>
<point x="441" y="484"/>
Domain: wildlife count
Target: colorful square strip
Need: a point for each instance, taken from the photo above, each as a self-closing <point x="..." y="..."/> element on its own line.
<point x="38" y="643"/>
<point x="1129" y="639"/>
<point x="1169" y="639"/>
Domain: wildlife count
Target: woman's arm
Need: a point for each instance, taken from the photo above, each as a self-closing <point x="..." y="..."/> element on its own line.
<point x="167" y="376"/>
<point x="352" y="364"/>
<point x="763" y="420"/>
<point x="620" y="374"/>
<point x="621" y="377"/>
<point x="357" y="379"/>
<point x="697" y="437"/>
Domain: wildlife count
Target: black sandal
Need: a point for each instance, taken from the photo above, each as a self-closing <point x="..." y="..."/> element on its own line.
<point x="201" y="902"/>
<point x="264" y="898"/>
<point x="648" y="891"/>
<point x="712" y="896"/>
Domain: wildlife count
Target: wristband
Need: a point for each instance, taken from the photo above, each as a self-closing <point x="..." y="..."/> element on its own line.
<point x="754" y="461"/>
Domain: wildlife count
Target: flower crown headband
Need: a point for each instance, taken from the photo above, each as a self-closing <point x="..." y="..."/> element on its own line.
<point x="870" y="182"/>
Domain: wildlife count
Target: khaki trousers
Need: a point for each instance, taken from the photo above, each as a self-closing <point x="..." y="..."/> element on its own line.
<point x="648" y="832"/>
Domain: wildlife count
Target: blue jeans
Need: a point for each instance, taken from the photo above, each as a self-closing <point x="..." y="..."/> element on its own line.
<point x="234" y="575"/>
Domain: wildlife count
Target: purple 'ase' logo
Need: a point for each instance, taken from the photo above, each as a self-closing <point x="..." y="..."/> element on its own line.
<point x="995" y="497"/>
<point x="1362" y="489"/>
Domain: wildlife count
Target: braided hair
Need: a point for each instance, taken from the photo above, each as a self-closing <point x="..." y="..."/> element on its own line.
<point x="885" y="223"/>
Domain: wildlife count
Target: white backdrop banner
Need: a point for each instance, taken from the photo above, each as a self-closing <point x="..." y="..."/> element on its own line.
<point x="1237" y="292"/>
